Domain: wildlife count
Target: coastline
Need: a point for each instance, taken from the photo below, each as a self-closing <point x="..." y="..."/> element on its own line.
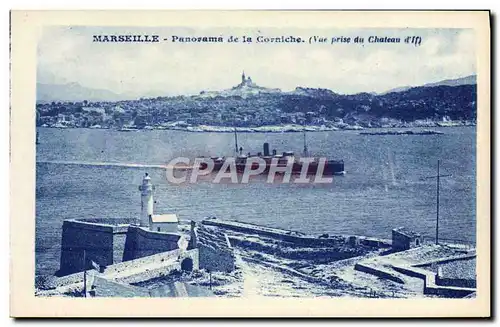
<point x="285" y="128"/>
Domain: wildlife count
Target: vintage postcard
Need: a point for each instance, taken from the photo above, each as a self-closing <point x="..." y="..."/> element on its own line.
<point x="264" y="164"/>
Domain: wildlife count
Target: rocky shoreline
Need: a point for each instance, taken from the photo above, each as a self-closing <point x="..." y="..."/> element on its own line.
<point x="289" y="128"/>
<point x="424" y="132"/>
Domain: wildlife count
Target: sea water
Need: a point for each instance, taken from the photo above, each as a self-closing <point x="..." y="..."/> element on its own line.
<point x="385" y="185"/>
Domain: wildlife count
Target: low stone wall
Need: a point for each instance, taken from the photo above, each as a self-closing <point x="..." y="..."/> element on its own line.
<point x="159" y="268"/>
<point x="416" y="273"/>
<point x="430" y="285"/>
<point x="378" y="272"/>
<point x="446" y="260"/>
<point x="133" y="264"/>
<point x="274" y="233"/>
<point x="138" y="270"/>
<point x="457" y="279"/>
<point x="294" y="237"/>
<point x="447" y="291"/>
<point x="459" y="282"/>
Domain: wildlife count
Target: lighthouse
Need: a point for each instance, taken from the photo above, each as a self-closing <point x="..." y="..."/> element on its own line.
<point x="146" y="189"/>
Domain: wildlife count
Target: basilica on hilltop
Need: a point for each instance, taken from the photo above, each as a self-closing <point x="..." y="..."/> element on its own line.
<point x="245" y="88"/>
<point x="246" y="81"/>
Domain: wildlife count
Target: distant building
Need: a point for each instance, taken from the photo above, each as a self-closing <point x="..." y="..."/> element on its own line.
<point x="352" y="241"/>
<point x="166" y="223"/>
<point x="405" y="239"/>
<point x="246" y="80"/>
<point x="247" y="87"/>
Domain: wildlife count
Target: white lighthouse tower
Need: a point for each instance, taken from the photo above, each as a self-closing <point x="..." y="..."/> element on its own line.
<point x="147" y="201"/>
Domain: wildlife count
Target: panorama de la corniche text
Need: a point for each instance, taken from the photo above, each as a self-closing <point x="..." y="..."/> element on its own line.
<point x="191" y="39"/>
<point x="141" y="38"/>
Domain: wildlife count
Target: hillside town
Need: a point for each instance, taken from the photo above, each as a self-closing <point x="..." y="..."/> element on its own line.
<point x="248" y="105"/>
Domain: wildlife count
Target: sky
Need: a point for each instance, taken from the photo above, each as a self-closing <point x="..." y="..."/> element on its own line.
<point x="69" y="55"/>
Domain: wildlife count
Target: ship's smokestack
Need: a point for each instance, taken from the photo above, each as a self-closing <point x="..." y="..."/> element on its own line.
<point x="266" y="149"/>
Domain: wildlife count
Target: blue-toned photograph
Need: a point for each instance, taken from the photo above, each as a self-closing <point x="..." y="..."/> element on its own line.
<point x="256" y="162"/>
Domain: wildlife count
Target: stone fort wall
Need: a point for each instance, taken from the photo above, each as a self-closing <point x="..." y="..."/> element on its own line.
<point x="108" y="241"/>
<point x="103" y="241"/>
<point x="141" y="242"/>
<point x="137" y="270"/>
<point x="215" y="250"/>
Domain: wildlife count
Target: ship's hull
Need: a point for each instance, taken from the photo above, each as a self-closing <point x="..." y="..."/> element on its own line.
<point x="326" y="168"/>
<point x="275" y="162"/>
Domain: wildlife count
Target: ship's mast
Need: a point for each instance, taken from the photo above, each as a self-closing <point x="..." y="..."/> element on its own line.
<point x="235" y="141"/>
<point x="305" y="144"/>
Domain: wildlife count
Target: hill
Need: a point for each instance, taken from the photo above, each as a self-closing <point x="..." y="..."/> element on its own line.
<point x="249" y="105"/>
<point x="467" y="80"/>
<point x="72" y="92"/>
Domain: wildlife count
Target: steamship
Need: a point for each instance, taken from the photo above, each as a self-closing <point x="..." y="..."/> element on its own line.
<point x="326" y="166"/>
